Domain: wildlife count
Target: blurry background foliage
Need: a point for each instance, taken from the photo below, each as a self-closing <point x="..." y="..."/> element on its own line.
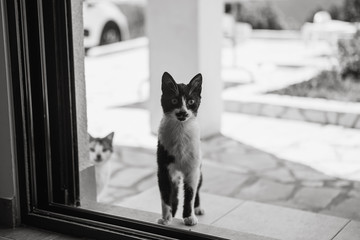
<point x="264" y="15"/>
<point x="349" y="57"/>
<point x="260" y="15"/>
<point x="349" y="11"/>
<point x="349" y="49"/>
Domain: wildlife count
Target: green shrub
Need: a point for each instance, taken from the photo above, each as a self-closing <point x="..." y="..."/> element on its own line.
<point x="349" y="57"/>
<point x="260" y="15"/>
<point x="336" y="13"/>
<point x="351" y="10"/>
<point x="326" y="85"/>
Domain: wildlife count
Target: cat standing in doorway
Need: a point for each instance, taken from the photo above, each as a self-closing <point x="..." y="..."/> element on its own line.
<point x="101" y="150"/>
<point x="178" y="153"/>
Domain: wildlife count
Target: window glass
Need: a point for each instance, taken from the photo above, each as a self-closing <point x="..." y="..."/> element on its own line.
<point x="278" y="125"/>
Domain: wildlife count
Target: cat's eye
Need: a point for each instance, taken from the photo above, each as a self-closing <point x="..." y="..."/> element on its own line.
<point x="92" y="149"/>
<point x="191" y="101"/>
<point x="104" y="150"/>
<point x="174" y="101"/>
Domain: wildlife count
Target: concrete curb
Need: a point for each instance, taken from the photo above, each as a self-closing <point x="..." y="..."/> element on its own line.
<point x="314" y="110"/>
<point x="117" y="47"/>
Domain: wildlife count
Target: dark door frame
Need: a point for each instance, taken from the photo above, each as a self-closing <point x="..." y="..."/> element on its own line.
<point x="43" y="89"/>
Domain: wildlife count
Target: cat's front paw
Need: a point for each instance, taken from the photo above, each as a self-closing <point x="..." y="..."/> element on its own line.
<point x="164" y="221"/>
<point x="199" y="211"/>
<point x="190" y="221"/>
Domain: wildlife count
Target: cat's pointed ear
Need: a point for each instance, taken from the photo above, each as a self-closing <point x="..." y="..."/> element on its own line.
<point x="91" y="138"/>
<point x="110" y="136"/>
<point x="169" y="84"/>
<point x="195" y="84"/>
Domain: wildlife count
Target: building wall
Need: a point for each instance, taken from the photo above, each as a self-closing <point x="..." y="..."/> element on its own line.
<point x="182" y="43"/>
<point x="87" y="174"/>
<point x="7" y="157"/>
<point x="81" y="113"/>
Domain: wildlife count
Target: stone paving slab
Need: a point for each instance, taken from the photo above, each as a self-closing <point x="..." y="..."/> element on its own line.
<point x="350" y="232"/>
<point x="215" y="206"/>
<point x="282" y="175"/>
<point x="331" y="150"/>
<point x="129" y="176"/>
<point x="315" y="198"/>
<point x="281" y="223"/>
<point x="222" y="182"/>
<point x="289" y="184"/>
<point x="151" y="217"/>
<point x="294" y="108"/>
<point x="247" y="217"/>
<point x="349" y="208"/>
<point x="266" y="191"/>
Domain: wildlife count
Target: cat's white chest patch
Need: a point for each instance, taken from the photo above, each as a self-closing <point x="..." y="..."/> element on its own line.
<point x="181" y="140"/>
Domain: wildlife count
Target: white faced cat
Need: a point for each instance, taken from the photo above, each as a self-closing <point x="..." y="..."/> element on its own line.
<point x="101" y="150"/>
<point x="178" y="153"/>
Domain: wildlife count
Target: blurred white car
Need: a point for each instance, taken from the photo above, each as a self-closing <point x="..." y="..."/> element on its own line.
<point x="104" y="23"/>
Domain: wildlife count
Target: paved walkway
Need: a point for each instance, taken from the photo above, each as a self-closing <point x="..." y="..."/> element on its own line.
<point x="283" y="162"/>
<point x="236" y="170"/>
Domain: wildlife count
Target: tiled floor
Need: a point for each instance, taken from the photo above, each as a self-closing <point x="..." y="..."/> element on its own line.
<point x="151" y="214"/>
<point x="258" y="219"/>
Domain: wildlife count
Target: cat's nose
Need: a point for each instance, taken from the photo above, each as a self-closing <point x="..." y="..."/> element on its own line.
<point x="182" y="115"/>
<point x="98" y="157"/>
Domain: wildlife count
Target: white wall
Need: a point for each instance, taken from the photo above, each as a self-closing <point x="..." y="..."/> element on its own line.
<point x="81" y="113"/>
<point x="185" y="39"/>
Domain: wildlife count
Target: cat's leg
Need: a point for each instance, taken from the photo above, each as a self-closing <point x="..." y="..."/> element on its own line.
<point x="100" y="182"/>
<point x="105" y="182"/>
<point x="198" y="209"/>
<point x="190" y="186"/>
<point x="174" y="197"/>
<point x="165" y="187"/>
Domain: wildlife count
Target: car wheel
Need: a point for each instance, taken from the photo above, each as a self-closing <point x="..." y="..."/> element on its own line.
<point x="110" y="34"/>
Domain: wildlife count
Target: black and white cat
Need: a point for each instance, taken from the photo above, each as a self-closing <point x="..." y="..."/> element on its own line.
<point x="101" y="150"/>
<point x="178" y="153"/>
